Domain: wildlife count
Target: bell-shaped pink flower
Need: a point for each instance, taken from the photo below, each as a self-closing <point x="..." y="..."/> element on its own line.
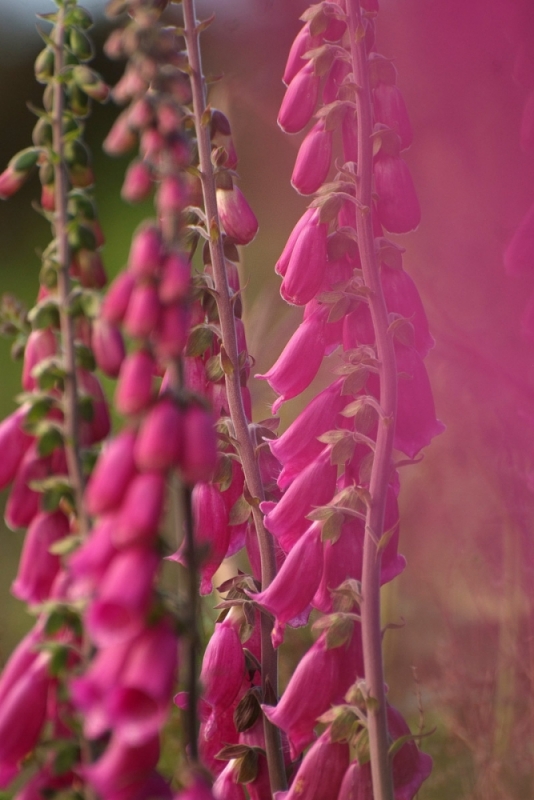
<point x="116" y="301"/>
<point x="143" y="311"/>
<point x="11" y="181"/>
<point x="139" y="701"/>
<point x="199" y="456"/>
<point x="307" y="265"/>
<point x="38" y="566"/>
<point x="226" y="786"/>
<point x="283" y="262"/>
<point x="299" y="100"/>
<point x="112" y="474"/>
<point x="175" y="279"/>
<point x="108" y="347"/>
<point x="299" y="443"/>
<point x="217" y="729"/>
<point x="397" y="206"/>
<point x="198" y="790"/>
<point x="138" y="519"/>
<point x="211" y="531"/>
<point x="519" y="255"/>
<point x="137" y="182"/>
<point x="416" y="416"/>
<point x="121" y="138"/>
<point x="123" y="770"/>
<point x="302" y="43"/>
<point x="172" y="196"/>
<point x="338" y="72"/>
<point x="134" y="388"/>
<point x="299" y="361"/>
<point x="124" y="597"/>
<point x="322" y="770"/>
<point x="223" y="666"/>
<point x="91" y="691"/>
<point x="402" y="297"/>
<point x="390" y="110"/>
<point x="88" y="564"/>
<point x="296" y="583"/>
<point x="237" y="217"/>
<point x="22" y="715"/>
<point x="160" y="439"/>
<point x="171" y="331"/>
<point x="313" y="160"/>
<point x="308" y="695"/>
<point x="40" y="345"/>
<point x="14" y="443"/>
<point x="23" y="503"/>
<point x="145" y="258"/>
<point x="357" y="783"/>
<point x="315" y="486"/>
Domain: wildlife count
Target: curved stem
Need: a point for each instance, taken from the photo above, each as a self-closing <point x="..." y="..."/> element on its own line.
<point x="381" y="470"/>
<point x="233" y="386"/>
<point x="70" y="401"/>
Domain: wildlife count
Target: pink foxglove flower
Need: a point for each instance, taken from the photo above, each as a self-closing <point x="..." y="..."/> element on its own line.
<point x="108" y="347"/>
<point x="313" y="160"/>
<point x="112" y="474"/>
<point x="199" y="457"/>
<point x="237" y="217"/>
<point x="160" y="439"/>
<point x="226" y="786"/>
<point x="137" y="182"/>
<point x="89" y="563"/>
<point x="171" y="331"/>
<point x="300" y="360"/>
<point x="116" y="301"/>
<point x="315" y="486"/>
<point x="402" y="297"/>
<point x="322" y="770"/>
<point x="283" y="262"/>
<point x="143" y="311"/>
<point x="223" y="666"/>
<point x="175" y="279"/>
<point x="124" y="597"/>
<point x="299" y="100"/>
<point x="14" y="443"/>
<point x="139" y="700"/>
<point x="40" y="345"/>
<point x="138" y="520"/>
<point x="38" y="566"/>
<point x="302" y="43"/>
<point x="145" y="258"/>
<point x="390" y="109"/>
<point x="307" y="264"/>
<point x="397" y="207"/>
<point x="23" y="503"/>
<point x="296" y="583"/>
<point x="134" y="388"/>
<point x="22" y="715"/>
<point x="122" y="772"/>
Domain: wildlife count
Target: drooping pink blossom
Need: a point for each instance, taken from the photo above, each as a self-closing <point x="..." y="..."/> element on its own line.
<point x="299" y="100"/>
<point x="237" y="217"/>
<point x="283" y="262"/>
<point x="134" y="387"/>
<point x="302" y="43"/>
<point x="38" y="566"/>
<point x="159" y="442"/>
<point x="137" y="521"/>
<point x="397" y="206"/>
<point x="223" y="666"/>
<point x="112" y="474"/>
<point x="307" y="264"/>
<point x="40" y="345"/>
<point x="108" y="347"/>
<point x="123" y="770"/>
<point x="14" y="443"/>
<point x="175" y="278"/>
<point x="23" y="502"/>
<point x="322" y="770"/>
<point x="199" y="456"/>
<point x="313" y="160"/>
<point x="143" y="311"/>
<point x="117" y="297"/>
<point x="170" y="335"/>
<point x="137" y="183"/>
<point x="146" y="252"/>
<point x="390" y="109"/>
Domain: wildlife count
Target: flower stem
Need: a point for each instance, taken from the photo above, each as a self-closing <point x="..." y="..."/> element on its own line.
<point x="381" y="470"/>
<point x="70" y="401"/>
<point x="269" y="660"/>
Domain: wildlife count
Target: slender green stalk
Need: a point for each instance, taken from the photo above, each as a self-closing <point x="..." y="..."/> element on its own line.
<point x="244" y="442"/>
<point x="381" y="470"/>
<point x="70" y="399"/>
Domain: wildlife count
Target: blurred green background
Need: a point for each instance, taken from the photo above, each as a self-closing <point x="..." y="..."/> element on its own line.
<point x="466" y="597"/>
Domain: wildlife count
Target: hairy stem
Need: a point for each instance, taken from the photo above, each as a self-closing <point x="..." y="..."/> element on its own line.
<point x="381" y="470"/>
<point x="70" y="397"/>
<point x="233" y="387"/>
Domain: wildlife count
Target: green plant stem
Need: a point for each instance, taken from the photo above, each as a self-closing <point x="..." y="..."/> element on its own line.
<point x="70" y="397"/>
<point x="269" y="659"/>
<point x="382" y="462"/>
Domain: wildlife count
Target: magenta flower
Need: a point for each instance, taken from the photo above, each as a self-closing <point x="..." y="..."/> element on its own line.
<point x="199" y="457"/>
<point x="108" y="347"/>
<point x="237" y="217"/>
<point x="23" y="503"/>
<point x="134" y="387"/>
<point x="14" y="443"/>
<point x="22" y="715"/>
<point x="139" y="700"/>
<point x="302" y="43"/>
<point x="223" y="666"/>
<point x="159" y="442"/>
<point x="123" y="598"/>
<point x="390" y="109"/>
<point x="88" y="564"/>
<point x="397" y="207"/>
<point x="322" y="770"/>
<point x="307" y="264"/>
<point x="122" y="772"/>
<point x="171" y="331"/>
<point x="137" y="521"/>
<point x="315" y="486"/>
<point x="299" y="100"/>
<point x="313" y="160"/>
<point x="112" y="474"/>
<point x="116" y="301"/>
<point x="296" y="583"/>
<point x="283" y="262"/>
<point x="40" y="345"/>
<point x="175" y="279"/>
<point x="300" y="360"/>
<point x="226" y="786"/>
<point x="137" y="182"/>
<point x="402" y="297"/>
<point x="143" y="313"/>
<point x="38" y="566"/>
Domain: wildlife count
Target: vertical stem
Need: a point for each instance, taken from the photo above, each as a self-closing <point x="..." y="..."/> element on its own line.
<point x="245" y="446"/>
<point x="381" y="470"/>
<point x="70" y="398"/>
<point x="170" y="230"/>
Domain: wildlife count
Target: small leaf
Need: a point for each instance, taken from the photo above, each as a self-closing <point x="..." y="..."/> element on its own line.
<point x="240" y="511"/>
<point x="231" y="751"/>
<point x="67" y="755"/>
<point x="361" y="747"/>
<point x="66" y="545"/>
<point x="248" y="710"/>
<point x="331" y="530"/>
<point x="204" y="25"/>
<point x="343" y="450"/>
<point x="355" y="382"/>
<point x="403" y="330"/>
<point x="344" y="726"/>
<point x="214" y="370"/>
<point x="339" y="309"/>
<point x="247" y="770"/>
<point x="332" y="437"/>
<point x="205" y="119"/>
<point x="200" y="338"/>
<point x="226" y="363"/>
